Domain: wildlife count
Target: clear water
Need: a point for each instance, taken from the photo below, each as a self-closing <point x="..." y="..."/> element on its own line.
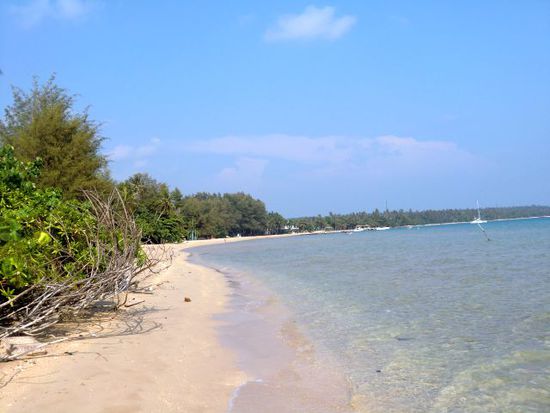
<point x="435" y="319"/>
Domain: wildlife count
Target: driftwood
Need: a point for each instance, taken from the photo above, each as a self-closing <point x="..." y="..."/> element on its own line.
<point x="114" y="272"/>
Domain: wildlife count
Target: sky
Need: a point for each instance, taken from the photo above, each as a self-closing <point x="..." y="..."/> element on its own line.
<point x="313" y="107"/>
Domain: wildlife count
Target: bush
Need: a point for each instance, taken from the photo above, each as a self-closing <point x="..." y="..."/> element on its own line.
<point x="40" y="234"/>
<point x="55" y="254"/>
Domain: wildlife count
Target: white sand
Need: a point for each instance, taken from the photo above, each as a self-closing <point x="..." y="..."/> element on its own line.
<point x="177" y="366"/>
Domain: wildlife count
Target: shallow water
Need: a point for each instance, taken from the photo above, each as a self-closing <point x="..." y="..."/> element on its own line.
<point x="285" y="371"/>
<point x="434" y="319"/>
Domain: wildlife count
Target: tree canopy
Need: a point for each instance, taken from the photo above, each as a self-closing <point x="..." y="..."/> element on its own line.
<point x="43" y="124"/>
<point x="154" y="208"/>
<point x="216" y="215"/>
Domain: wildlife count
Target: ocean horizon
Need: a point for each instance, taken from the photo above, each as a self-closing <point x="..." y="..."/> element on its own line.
<point x="428" y="319"/>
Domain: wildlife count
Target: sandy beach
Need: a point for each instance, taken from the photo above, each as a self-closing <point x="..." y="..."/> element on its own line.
<point x="162" y="355"/>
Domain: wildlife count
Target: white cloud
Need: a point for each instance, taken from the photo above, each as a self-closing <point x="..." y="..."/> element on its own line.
<point x="35" y="11"/>
<point x="139" y="154"/>
<point x="340" y="155"/>
<point x="313" y="23"/>
<point x="287" y="147"/>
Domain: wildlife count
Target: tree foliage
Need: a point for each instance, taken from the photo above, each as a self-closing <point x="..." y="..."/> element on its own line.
<point x="168" y="216"/>
<point x="216" y="215"/>
<point x="43" y="124"/>
<point x="154" y="208"/>
<point x="275" y="223"/>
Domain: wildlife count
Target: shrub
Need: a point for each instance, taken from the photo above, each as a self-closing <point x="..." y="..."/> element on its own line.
<point x="56" y="254"/>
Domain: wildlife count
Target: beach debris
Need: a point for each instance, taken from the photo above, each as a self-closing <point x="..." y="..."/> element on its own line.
<point x="378" y="371"/>
<point x="19" y="345"/>
<point x="187" y="299"/>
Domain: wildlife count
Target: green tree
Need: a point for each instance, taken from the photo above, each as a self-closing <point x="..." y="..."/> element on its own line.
<point x="275" y="223"/>
<point x="251" y="214"/>
<point x="214" y="215"/>
<point x="177" y="198"/>
<point x="44" y="124"/>
<point x="153" y="207"/>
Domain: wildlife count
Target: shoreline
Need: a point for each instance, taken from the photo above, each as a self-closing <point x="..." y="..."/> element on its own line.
<point x="160" y="355"/>
<point x="140" y="358"/>
<point x="212" y="354"/>
<point x="286" y="370"/>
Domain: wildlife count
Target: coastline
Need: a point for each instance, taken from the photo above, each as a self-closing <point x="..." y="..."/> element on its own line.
<point x="208" y="355"/>
<point x="160" y="355"/>
<point x="165" y="354"/>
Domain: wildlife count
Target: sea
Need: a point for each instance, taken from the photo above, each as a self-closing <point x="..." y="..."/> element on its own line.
<point x="440" y="318"/>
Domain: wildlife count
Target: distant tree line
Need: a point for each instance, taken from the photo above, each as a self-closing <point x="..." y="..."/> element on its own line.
<point x="166" y="215"/>
<point x="410" y="217"/>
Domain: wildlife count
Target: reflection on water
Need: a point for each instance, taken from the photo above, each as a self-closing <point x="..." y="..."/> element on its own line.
<point x="429" y="320"/>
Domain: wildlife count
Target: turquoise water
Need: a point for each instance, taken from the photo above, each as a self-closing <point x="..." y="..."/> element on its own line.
<point x="434" y="319"/>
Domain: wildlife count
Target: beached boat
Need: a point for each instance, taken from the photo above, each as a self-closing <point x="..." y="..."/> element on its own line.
<point x="478" y="220"/>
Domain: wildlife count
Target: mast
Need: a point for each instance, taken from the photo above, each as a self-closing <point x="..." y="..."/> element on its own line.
<point x="478" y="211"/>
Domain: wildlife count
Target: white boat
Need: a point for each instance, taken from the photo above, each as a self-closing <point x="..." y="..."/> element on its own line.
<point x="478" y="220"/>
<point x="381" y="228"/>
<point x="361" y="228"/>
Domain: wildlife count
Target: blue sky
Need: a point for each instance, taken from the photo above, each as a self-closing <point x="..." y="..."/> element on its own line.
<point x="311" y="106"/>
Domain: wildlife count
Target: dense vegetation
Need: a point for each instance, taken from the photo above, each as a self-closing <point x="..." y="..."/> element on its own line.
<point x="402" y="218"/>
<point x="165" y="215"/>
<point x="57" y="256"/>
<point x="216" y="215"/>
<point x="153" y="207"/>
<point x="40" y="234"/>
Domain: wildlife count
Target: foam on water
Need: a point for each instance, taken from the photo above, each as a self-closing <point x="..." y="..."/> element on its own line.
<point x="434" y="319"/>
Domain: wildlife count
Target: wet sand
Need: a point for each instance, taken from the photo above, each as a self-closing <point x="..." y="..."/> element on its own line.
<point x="285" y="371"/>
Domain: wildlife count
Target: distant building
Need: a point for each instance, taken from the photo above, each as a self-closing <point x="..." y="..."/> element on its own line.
<point x="290" y="228"/>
